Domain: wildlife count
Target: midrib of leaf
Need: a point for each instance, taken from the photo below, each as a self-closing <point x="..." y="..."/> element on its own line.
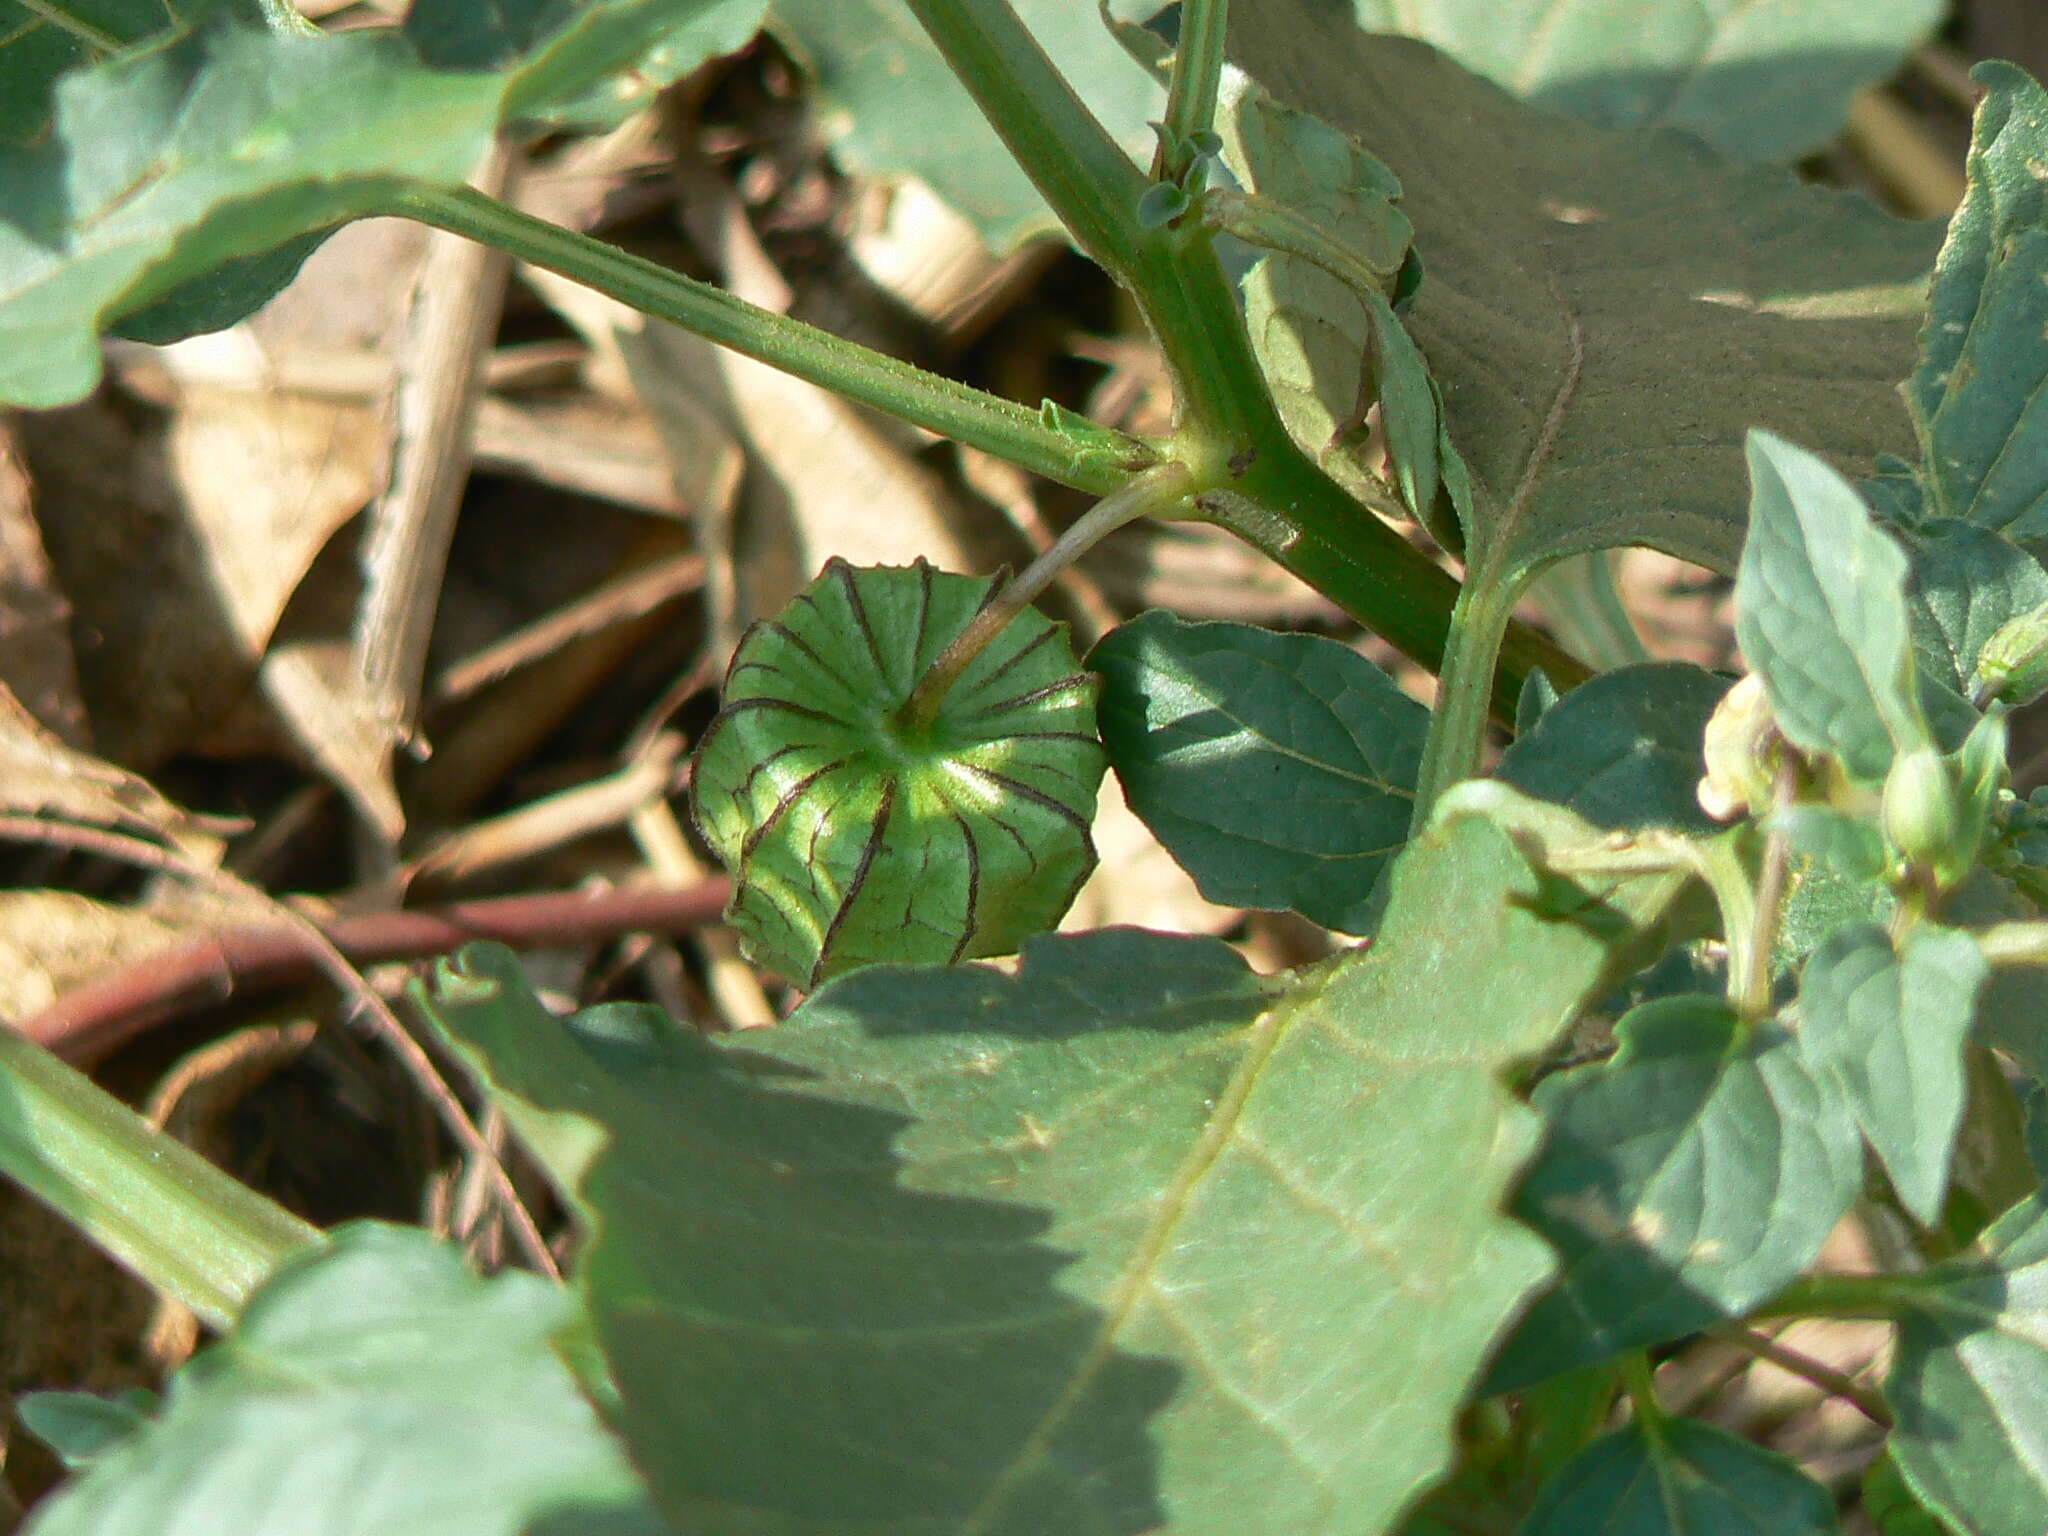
<point x="1135" y="1279"/>
<point x="1553" y="428"/>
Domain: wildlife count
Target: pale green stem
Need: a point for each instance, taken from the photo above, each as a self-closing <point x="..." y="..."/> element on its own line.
<point x="1156" y="493"/>
<point x="1882" y="1296"/>
<point x="1464" y="697"/>
<point x="1197" y="81"/>
<point x="157" y="1207"/>
<point x="2014" y="944"/>
<point x="1639" y="1379"/>
<point x="1274" y="226"/>
<point x="1719" y="863"/>
<point x="1073" y="452"/>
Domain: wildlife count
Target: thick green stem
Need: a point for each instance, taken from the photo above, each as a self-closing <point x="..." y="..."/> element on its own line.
<point x="1197" y="81"/>
<point x="185" y="1228"/>
<point x="1072" y="451"/>
<point x="1465" y="689"/>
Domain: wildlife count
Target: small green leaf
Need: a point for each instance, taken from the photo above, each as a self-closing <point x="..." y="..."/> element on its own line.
<point x="1683" y="1181"/>
<point x="1278" y="769"/>
<point x="893" y="108"/>
<point x="1821" y="613"/>
<point x="372" y="1385"/>
<point x="1887" y="1032"/>
<point x="1849" y="845"/>
<point x="854" y="837"/>
<point x="1977" y="393"/>
<point x="1681" y="1478"/>
<point x="1963" y="584"/>
<point x="1624" y="750"/>
<point x="958" y="1251"/>
<point x="1969" y="1382"/>
<point x="1759" y="81"/>
<point x="83" y="1426"/>
<point x="1568" y="265"/>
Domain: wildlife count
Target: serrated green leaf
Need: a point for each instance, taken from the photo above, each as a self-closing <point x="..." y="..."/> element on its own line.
<point x="1624" y="750"/>
<point x="229" y="145"/>
<point x="1682" y="1181"/>
<point x="1887" y="1031"/>
<point x="1278" y="769"/>
<point x="1963" y="584"/>
<point x="953" y="1250"/>
<point x="1681" y="1478"/>
<point x="1976" y="394"/>
<point x="372" y="1385"/>
<point x="853" y="837"/>
<point x="1821" y="613"/>
<point x="893" y="108"/>
<point x="1608" y="313"/>
<point x="1969" y="1383"/>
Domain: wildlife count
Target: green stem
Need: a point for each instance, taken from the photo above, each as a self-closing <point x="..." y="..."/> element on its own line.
<point x="1154" y="494"/>
<point x="1073" y="452"/>
<point x="1639" y="1380"/>
<point x="1466" y="686"/>
<point x="1881" y="1297"/>
<point x="1197" y="81"/>
<point x="2014" y="944"/>
<point x="1078" y="167"/>
<point x="188" y="1230"/>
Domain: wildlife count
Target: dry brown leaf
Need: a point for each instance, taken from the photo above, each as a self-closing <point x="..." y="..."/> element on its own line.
<point x="43" y="777"/>
<point x="50" y="941"/>
<point x="36" y="659"/>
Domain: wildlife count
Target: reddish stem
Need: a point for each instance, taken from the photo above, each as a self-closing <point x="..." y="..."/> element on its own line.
<point x="91" y="1020"/>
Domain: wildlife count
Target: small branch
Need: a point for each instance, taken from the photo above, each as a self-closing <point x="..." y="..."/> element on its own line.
<point x="2014" y="944"/>
<point x="1086" y="456"/>
<point x="1457" y="729"/>
<point x="1158" y="491"/>
<point x="1197" y="78"/>
<point x="1826" y="1377"/>
<point x="1768" y="913"/>
<point x="237" y="963"/>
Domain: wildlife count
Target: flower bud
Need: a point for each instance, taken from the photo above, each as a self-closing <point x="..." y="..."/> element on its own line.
<point x="1742" y="751"/>
<point x="2013" y="666"/>
<point x="1922" y="819"/>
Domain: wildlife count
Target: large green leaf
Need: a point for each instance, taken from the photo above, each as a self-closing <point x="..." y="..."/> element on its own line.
<point x="1278" y="769"/>
<point x="1768" y="81"/>
<point x="1623" y="750"/>
<point x="1821" y="613"/>
<point x="1969" y="1383"/>
<point x="1887" y="1031"/>
<point x="1608" y="313"/>
<point x="1978" y="394"/>
<point x="373" y="1385"/>
<point x="893" y="108"/>
<point x="1683" y="1181"/>
<point x="1134" y="1239"/>
<point x="1681" y="1478"/>
<point x="230" y="143"/>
